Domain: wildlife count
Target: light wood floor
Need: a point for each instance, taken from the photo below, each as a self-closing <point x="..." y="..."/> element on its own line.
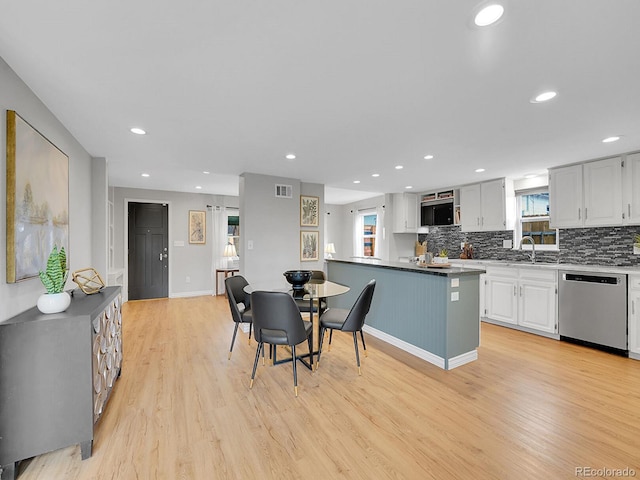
<point x="530" y="407"/>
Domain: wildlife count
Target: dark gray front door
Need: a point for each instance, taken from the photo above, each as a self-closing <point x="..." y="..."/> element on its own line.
<point x="148" y="250"/>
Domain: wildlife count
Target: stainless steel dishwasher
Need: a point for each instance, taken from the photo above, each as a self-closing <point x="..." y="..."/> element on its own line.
<point x="592" y="308"/>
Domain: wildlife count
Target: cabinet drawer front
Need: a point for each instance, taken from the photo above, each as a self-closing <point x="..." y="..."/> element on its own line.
<point x="509" y="272"/>
<point x="539" y="274"/>
<point x="634" y="282"/>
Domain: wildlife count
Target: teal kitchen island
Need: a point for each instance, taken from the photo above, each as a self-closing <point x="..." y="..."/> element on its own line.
<point x="432" y="313"/>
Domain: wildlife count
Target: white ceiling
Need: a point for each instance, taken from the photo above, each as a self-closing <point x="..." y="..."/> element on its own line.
<point x="352" y="87"/>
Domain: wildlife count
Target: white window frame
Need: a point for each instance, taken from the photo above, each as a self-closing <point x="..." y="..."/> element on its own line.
<point x="359" y="232"/>
<point x="517" y="232"/>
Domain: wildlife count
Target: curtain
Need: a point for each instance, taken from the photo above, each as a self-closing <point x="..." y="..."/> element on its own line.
<point x="219" y="236"/>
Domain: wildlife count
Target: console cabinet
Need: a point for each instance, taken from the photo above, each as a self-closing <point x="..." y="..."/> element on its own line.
<point x="56" y="374"/>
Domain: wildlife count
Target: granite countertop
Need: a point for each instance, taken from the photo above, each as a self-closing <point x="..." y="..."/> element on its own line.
<point x="483" y="264"/>
<point x="452" y="271"/>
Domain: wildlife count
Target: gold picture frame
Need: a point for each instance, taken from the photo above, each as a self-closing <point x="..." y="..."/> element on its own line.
<point x="197" y="227"/>
<point x="37" y="199"/>
<point x="309" y="211"/>
<point x="309" y="246"/>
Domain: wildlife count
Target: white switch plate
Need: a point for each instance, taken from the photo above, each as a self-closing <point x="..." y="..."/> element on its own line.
<point x="250" y="245"/>
<point x="178" y="243"/>
<point x="455" y="296"/>
<point x="507" y="243"/>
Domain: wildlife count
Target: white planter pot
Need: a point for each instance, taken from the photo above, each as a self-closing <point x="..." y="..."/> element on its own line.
<point x="636" y="250"/>
<point x="53" y="302"/>
<point x="440" y="259"/>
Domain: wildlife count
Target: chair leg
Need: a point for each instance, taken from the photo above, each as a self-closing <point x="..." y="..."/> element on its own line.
<point x="255" y="362"/>
<point x="330" y="337"/>
<point x="295" y="371"/>
<point x="310" y="343"/>
<point x="249" y="339"/>
<point x="320" y="341"/>
<point x="364" y="346"/>
<point x="355" y="344"/>
<point x="233" y="339"/>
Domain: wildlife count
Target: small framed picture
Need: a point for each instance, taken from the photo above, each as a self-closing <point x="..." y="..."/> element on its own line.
<point x="197" y="226"/>
<point x="309" y="246"/>
<point x="309" y="207"/>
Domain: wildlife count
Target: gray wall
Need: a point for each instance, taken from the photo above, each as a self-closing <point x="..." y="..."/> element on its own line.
<point x="191" y="260"/>
<point x="99" y="216"/>
<point x="16" y="95"/>
<point x="339" y="229"/>
<point x="273" y="226"/>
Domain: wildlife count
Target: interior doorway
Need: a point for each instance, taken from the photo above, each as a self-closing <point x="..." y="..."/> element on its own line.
<point x="148" y="250"/>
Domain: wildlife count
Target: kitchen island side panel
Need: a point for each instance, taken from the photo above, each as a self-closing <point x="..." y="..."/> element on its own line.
<point x="463" y="318"/>
<point x="410" y="306"/>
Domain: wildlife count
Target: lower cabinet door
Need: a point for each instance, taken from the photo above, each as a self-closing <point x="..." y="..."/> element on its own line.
<point x="634" y="322"/>
<point x="501" y="299"/>
<point x="537" y="306"/>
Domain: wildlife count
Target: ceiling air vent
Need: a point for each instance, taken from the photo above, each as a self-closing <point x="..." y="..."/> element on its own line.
<point x="283" y="191"/>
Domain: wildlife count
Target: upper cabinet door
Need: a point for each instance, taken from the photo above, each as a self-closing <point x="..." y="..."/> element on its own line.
<point x="492" y="197"/>
<point x="405" y="213"/>
<point x="565" y="197"/>
<point x="470" y="208"/>
<point x="603" y="192"/>
<point x="631" y="203"/>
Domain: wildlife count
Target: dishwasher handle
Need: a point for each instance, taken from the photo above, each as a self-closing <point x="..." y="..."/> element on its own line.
<point x="581" y="277"/>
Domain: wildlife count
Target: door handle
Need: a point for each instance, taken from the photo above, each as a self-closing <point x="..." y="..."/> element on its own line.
<point x="160" y="256"/>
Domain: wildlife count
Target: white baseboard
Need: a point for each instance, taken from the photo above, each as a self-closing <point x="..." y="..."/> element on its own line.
<point x="462" y="359"/>
<point x="191" y="294"/>
<point x="407" y="347"/>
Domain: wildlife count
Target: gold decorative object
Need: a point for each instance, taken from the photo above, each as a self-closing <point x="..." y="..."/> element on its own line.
<point x="88" y="280"/>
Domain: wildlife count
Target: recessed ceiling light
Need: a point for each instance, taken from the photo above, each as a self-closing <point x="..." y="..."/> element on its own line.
<point x="290" y="156"/>
<point x="206" y="173"/>
<point x="543" y="97"/>
<point x="409" y="187"/>
<point x="356" y="181"/>
<point x="138" y="131"/>
<point x="489" y="15"/>
<point x="615" y="138"/>
<point x="145" y="175"/>
<point x="479" y="170"/>
<point x="428" y="157"/>
<point x="375" y="174"/>
<point x="198" y="187"/>
<point x="399" y="167"/>
<point x="531" y="175"/>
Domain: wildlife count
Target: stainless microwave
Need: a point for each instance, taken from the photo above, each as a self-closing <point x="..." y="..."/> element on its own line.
<point x="438" y="214"/>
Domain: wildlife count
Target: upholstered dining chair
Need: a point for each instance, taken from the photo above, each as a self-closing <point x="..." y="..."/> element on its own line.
<point x="239" y="303"/>
<point x="303" y="305"/>
<point x="348" y="321"/>
<point x="277" y="321"/>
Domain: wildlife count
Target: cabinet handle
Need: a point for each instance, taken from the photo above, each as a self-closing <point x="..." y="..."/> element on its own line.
<point x="521" y="290"/>
<point x="633" y="307"/>
<point x="629" y="209"/>
<point x="515" y="293"/>
<point x="585" y="213"/>
<point x="579" y="218"/>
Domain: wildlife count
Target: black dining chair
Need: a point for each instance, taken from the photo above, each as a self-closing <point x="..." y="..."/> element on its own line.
<point x="348" y="321"/>
<point x="303" y="304"/>
<point x="277" y="321"/>
<point x="239" y="303"/>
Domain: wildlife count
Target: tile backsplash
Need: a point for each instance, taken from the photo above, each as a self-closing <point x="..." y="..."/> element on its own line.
<point x="585" y="246"/>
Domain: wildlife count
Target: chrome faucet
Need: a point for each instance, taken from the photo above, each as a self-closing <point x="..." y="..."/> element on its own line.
<point x="532" y="255"/>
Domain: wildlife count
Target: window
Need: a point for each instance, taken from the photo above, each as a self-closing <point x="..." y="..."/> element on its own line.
<point x="366" y="233"/>
<point x="533" y="220"/>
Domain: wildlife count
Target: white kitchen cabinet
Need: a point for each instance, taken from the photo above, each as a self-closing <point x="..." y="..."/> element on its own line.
<point x="631" y="190"/>
<point x="586" y="195"/>
<point x="405" y="213"/>
<point x="522" y="296"/>
<point x="634" y="316"/>
<point x="603" y="192"/>
<point x="565" y="197"/>
<point x="501" y="299"/>
<point x="486" y="206"/>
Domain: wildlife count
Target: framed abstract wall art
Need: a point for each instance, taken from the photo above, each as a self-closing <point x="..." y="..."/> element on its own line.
<point x="37" y="199"/>
<point x="309" y="211"/>
<point x="197" y="226"/>
<point x="309" y="246"/>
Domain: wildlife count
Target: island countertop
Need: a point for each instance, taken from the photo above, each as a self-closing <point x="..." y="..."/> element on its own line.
<point x="452" y="271"/>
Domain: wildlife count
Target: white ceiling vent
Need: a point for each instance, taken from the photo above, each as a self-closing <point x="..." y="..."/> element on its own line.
<point x="284" y="191"/>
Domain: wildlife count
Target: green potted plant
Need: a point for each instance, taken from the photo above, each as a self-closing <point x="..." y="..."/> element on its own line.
<point x="443" y="256"/>
<point x="54" y="279"/>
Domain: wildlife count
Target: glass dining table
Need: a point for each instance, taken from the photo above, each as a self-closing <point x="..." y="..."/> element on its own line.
<point x="314" y="291"/>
